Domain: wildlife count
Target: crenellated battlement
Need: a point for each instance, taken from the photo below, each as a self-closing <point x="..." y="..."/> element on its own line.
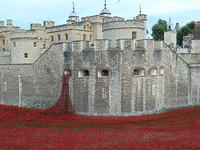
<point x="123" y="24"/>
<point x="8" y="26"/>
<point x="37" y="26"/>
<point x="93" y="19"/>
<point x="113" y="19"/>
<point x="121" y="44"/>
<point x="27" y="34"/>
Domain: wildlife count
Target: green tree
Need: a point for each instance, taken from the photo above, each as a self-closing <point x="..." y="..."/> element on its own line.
<point x="158" y="30"/>
<point x="184" y="31"/>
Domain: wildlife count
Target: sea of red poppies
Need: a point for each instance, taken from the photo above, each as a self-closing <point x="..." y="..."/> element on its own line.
<point x="31" y="129"/>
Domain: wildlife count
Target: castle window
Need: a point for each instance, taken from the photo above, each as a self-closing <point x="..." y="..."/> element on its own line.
<point x="90" y="28"/>
<point x="34" y="44"/>
<point x="162" y="71"/>
<point x="153" y="72"/>
<point x="4" y="49"/>
<point x="58" y="37"/>
<point x="90" y="37"/>
<point x="134" y="35"/>
<point x="66" y="37"/>
<point x="25" y="55"/>
<point x="85" y="27"/>
<point x="83" y="73"/>
<point x="4" y="42"/>
<point x="44" y="45"/>
<point x="138" y="72"/>
<point x="14" y="44"/>
<point x="103" y="73"/>
<point x="84" y="37"/>
<point x="52" y="38"/>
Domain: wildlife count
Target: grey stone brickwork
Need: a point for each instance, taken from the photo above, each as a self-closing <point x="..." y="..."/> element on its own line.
<point x="122" y="92"/>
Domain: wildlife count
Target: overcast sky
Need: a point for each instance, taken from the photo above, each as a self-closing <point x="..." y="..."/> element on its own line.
<point x="24" y="12"/>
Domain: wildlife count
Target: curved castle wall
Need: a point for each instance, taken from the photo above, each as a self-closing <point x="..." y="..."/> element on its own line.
<point x="124" y="30"/>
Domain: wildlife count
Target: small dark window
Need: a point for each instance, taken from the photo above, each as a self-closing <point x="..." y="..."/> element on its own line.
<point x="44" y="45"/>
<point x="138" y="72"/>
<point x="83" y="73"/>
<point x="4" y="42"/>
<point x="103" y="73"/>
<point x="84" y="27"/>
<point x="14" y="44"/>
<point x="134" y="35"/>
<point x="52" y="38"/>
<point x="66" y="37"/>
<point x="88" y="26"/>
<point x="25" y="55"/>
<point x="58" y="37"/>
<point x="34" y="44"/>
<point x="86" y="73"/>
<point x="84" y="37"/>
<point x="4" y="49"/>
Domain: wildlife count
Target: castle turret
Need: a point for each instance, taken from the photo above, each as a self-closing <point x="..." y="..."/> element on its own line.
<point x="73" y="17"/>
<point x="105" y="11"/>
<point x="141" y="17"/>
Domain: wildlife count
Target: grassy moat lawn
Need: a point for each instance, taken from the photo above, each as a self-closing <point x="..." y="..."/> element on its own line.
<point x="31" y="129"/>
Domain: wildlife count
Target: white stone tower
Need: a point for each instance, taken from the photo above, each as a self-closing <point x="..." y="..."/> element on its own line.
<point x="73" y="17"/>
<point x="105" y="11"/>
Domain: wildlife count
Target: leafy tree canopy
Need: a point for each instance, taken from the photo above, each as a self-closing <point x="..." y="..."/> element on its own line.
<point x="184" y="31"/>
<point x="158" y="30"/>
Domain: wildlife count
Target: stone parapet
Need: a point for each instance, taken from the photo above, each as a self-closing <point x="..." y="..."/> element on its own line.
<point x="102" y="45"/>
<point x="123" y="24"/>
<point x="78" y="46"/>
<point x="126" y="44"/>
<point x="29" y="34"/>
<point x="121" y="44"/>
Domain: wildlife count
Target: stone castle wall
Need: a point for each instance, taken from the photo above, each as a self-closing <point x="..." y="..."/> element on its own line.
<point x="123" y="29"/>
<point x="5" y="57"/>
<point x="126" y="93"/>
<point x="120" y="93"/>
<point x="40" y="82"/>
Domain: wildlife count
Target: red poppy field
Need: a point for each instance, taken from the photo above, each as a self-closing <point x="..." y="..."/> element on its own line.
<point x="31" y="129"/>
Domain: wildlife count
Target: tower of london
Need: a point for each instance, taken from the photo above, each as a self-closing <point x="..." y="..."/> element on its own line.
<point x="115" y="69"/>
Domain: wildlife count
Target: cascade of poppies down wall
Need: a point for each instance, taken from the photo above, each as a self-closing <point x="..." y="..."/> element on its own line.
<point x="63" y="104"/>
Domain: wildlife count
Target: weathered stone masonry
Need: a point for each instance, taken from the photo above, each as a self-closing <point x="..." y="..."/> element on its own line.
<point x="135" y="77"/>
